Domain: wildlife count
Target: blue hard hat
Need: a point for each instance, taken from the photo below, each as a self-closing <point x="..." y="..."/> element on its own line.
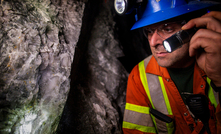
<point x="160" y="10"/>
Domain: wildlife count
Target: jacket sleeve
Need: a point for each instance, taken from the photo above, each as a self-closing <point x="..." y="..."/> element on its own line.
<point x="136" y="115"/>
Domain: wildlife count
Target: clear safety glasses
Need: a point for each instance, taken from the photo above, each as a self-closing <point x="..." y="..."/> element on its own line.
<point x="164" y="30"/>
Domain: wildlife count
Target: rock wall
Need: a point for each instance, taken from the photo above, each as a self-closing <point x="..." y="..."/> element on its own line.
<point x="64" y="66"/>
<point x="97" y="97"/>
<point x="37" y="46"/>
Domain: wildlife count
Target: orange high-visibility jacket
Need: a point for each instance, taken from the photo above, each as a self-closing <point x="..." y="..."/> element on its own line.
<point x="138" y="120"/>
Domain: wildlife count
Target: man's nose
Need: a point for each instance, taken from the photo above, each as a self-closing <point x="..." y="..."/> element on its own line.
<point x="155" y="39"/>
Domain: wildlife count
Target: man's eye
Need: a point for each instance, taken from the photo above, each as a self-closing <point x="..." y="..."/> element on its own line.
<point x="168" y="29"/>
<point x="149" y="31"/>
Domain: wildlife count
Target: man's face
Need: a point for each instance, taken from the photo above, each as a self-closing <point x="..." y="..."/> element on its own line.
<point x="159" y="32"/>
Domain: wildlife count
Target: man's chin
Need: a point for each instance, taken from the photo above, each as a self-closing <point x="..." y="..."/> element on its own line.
<point x="163" y="63"/>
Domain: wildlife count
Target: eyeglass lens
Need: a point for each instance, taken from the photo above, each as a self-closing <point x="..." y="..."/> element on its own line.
<point x="164" y="30"/>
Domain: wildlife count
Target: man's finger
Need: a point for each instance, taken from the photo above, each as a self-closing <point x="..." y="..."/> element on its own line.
<point x="210" y="20"/>
<point x="204" y="22"/>
<point x="214" y="14"/>
<point x="207" y="33"/>
<point x="205" y="39"/>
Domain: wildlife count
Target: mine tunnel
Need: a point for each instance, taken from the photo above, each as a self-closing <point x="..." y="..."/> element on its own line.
<point x="64" y="66"/>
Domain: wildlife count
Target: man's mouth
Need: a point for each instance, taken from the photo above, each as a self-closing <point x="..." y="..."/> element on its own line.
<point x="161" y="54"/>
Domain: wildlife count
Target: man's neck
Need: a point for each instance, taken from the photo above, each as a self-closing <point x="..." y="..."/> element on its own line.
<point x="184" y="63"/>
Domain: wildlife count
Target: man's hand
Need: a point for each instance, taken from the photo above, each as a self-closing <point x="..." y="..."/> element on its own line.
<point x="206" y="44"/>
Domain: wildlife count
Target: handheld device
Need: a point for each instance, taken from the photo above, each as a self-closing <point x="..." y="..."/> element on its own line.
<point x="178" y="39"/>
<point x="199" y="106"/>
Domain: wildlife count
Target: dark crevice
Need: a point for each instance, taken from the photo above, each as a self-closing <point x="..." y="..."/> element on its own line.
<point x="76" y="105"/>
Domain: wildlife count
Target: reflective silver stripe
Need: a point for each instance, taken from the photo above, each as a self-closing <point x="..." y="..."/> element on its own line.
<point x="138" y="118"/>
<point x="146" y="61"/>
<point x="216" y="94"/>
<point x="155" y="90"/>
<point x="156" y="93"/>
<point x="161" y="126"/>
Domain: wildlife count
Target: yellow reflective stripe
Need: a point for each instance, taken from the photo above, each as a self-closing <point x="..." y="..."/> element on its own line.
<point x="154" y="122"/>
<point x="144" y="80"/>
<point x="137" y="108"/>
<point x="211" y="94"/>
<point x="139" y="127"/>
<point x="165" y="96"/>
<point x="170" y="128"/>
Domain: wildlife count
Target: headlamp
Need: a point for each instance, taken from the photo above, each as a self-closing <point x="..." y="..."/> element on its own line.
<point x="124" y="6"/>
<point x="178" y="39"/>
<point x="120" y="6"/>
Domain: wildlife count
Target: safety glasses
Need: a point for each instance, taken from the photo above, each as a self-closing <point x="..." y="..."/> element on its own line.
<point x="164" y="30"/>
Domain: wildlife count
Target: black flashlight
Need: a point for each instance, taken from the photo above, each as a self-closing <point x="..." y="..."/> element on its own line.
<point x="178" y="39"/>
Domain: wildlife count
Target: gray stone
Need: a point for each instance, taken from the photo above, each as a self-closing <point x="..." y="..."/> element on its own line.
<point x="37" y="46"/>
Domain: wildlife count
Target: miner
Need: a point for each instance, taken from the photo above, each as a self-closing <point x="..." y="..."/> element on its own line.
<point x="176" y="89"/>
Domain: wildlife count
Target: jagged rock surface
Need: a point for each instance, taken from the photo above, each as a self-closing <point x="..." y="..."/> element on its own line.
<point x="97" y="97"/>
<point x="37" y="46"/>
